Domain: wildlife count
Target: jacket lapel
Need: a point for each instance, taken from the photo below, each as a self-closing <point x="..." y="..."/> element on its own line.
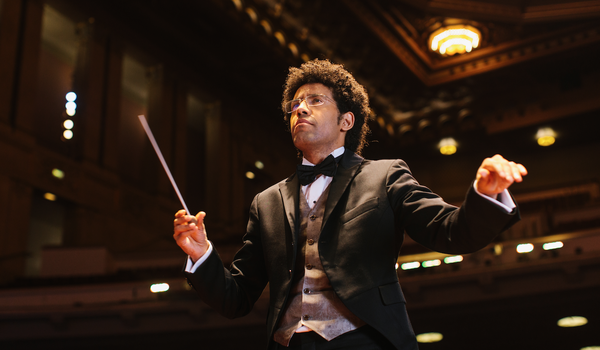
<point x="289" y="195"/>
<point x="349" y="165"/>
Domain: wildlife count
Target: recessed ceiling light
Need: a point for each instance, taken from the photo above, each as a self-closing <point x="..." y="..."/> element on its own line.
<point x="572" y="321"/>
<point x="431" y="337"/>
<point x="525" y="248"/>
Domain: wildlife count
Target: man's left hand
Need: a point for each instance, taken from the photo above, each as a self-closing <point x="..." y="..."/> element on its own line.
<point x="496" y="174"/>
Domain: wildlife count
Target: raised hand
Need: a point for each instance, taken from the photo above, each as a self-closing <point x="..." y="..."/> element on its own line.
<point x="496" y="174"/>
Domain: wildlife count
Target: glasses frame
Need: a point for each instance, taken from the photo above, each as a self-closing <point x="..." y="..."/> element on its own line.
<point x="288" y="104"/>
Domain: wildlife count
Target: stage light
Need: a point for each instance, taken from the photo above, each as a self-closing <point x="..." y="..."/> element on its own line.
<point x="572" y="321"/>
<point x="159" y="287"/>
<point x="410" y="265"/>
<point x="545" y="137"/>
<point x="71" y="108"/>
<point x="71" y="96"/>
<point x="431" y="337"/>
<point x="454" y="39"/>
<point x="50" y="196"/>
<point x="525" y="248"/>
<point x="447" y="146"/>
<point x="453" y="259"/>
<point x="553" y="245"/>
<point x="259" y="165"/>
<point x="68" y="124"/>
<point x="431" y="263"/>
<point x="57" y="173"/>
<point x="250" y="175"/>
<point x="498" y="249"/>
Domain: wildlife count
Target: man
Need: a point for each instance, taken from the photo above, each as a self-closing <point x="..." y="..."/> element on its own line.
<point x="327" y="240"/>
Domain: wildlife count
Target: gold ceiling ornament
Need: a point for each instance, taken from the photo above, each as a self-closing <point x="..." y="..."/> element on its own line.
<point x="455" y="39"/>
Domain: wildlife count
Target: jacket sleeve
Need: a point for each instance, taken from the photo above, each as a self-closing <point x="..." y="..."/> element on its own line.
<point x="437" y="225"/>
<point x="232" y="292"/>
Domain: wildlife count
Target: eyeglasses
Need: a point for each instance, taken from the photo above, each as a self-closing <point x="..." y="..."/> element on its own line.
<point x="311" y="101"/>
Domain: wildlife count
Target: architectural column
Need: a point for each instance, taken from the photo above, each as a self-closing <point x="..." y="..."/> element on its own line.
<point x="22" y="111"/>
<point x="15" y="208"/>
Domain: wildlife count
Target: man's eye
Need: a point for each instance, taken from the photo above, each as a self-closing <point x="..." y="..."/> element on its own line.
<point x="316" y="99"/>
<point x="294" y="105"/>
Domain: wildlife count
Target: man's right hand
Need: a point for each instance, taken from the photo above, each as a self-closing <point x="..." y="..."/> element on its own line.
<point x="190" y="234"/>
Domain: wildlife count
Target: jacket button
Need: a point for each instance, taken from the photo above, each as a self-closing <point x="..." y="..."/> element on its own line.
<point x="311" y="241"/>
<point x="313" y="217"/>
<point x="309" y="266"/>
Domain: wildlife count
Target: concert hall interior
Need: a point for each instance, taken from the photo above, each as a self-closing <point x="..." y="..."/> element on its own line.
<point x="87" y="256"/>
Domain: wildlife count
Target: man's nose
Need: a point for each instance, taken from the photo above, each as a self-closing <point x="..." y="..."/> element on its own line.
<point x="303" y="108"/>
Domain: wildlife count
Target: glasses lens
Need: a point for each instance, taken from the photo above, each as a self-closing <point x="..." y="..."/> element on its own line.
<point x="315" y="100"/>
<point x="292" y="105"/>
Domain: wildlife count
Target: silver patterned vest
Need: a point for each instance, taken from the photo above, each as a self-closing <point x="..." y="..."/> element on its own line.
<point x="313" y="302"/>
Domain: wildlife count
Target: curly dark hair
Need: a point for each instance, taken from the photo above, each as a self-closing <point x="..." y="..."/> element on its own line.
<point x="348" y="94"/>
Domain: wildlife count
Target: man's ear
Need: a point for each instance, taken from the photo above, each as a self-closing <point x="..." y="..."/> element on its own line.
<point x="346" y="121"/>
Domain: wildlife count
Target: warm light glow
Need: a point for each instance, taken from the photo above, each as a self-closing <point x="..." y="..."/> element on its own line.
<point x="250" y="175"/>
<point x="71" y="96"/>
<point x="68" y="134"/>
<point x="57" y="173"/>
<point x="293" y="49"/>
<point x="159" y="287"/>
<point x="259" y="165"/>
<point x="50" y="196"/>
<point x="498" y="249"/>
<point x="397" y="266"/>
<point x="447" y="146"/>
<point x="572" y="321"/>
<point x="453" y="259"/>
<point x="525" y="248"/>
<point x="454" y="39"/>
<point x="431" y="263"/>
<point x="280" y="38"/>
<point x="410" y="265"/>
<point x="70" y="112"/>
<point x="545" y="137"/>
<point x="70" y="105"/>
<point x="591" y="348"/>
<point x="431" y="337"/>
<point x="553" y="245"/>
<point x="68" y="124"/>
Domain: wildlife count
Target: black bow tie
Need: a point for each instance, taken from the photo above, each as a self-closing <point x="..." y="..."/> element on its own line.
<point x="308" y="173"/>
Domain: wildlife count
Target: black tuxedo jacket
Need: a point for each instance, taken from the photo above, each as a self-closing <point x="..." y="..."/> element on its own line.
<point x="370" y="206"/>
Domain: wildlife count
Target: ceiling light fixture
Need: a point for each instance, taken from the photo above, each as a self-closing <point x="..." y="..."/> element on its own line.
<point x="431" y="337"/>
<point x="524" y="248"/>
<point x="572" y="321"/>
<point x="447" y="146"/>
<point x="454" y="39"/>
<point x="545" y="137"/>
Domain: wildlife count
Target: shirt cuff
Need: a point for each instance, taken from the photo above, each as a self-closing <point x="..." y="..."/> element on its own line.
<point x="504" y="200"/>
<point x="191" y="267"/>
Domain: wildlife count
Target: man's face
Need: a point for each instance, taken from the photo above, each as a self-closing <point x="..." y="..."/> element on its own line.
<point x="316" y="128"/>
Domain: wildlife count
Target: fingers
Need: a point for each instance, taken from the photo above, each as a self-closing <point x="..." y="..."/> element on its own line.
<point x="496" y="174"/>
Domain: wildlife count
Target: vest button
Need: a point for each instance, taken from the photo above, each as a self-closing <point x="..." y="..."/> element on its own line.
<point x="311" y="241"/>
<point x="306" y="291"/>
<point x="306" y="317"/>
<point x="309" y="266"/>
<point x="313" y="217"/>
